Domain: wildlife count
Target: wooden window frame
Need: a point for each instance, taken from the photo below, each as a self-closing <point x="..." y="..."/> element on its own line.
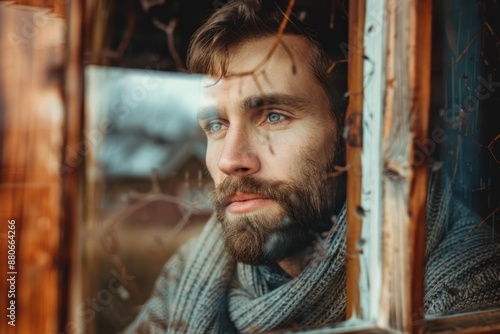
<point x="382" y="297"/>
<point x="390" y="86"/>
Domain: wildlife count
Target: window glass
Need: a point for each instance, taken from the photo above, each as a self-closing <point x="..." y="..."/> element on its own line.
<point x="148" y="187"/>
<point x="151" y="189"/>
<point x="463" y="219"/>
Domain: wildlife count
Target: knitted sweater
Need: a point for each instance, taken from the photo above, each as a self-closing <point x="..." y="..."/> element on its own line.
<point x="202" y="290"/>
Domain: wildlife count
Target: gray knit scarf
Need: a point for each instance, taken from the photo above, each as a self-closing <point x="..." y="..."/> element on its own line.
<point x="202" y="290"/>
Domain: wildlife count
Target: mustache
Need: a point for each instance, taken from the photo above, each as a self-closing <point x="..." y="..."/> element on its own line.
<point x="276" y="190"/>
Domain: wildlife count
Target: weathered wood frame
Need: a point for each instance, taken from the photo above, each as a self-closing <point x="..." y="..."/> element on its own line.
<point x="382" y="64"/>
<point x="386" y="90"/>
<point x="388" y="52"/>
<point x="386" y="246"/>
<point x="392" y="190"/>
<point x="389" y="89"/>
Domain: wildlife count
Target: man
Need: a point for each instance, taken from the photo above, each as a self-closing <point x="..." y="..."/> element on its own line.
<point x="273" y="255"/>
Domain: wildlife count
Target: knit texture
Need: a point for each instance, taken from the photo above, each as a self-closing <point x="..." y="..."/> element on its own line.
<point x="202" y="290"/>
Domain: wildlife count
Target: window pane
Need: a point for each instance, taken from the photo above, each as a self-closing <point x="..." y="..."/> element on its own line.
<point x="150" y="188"/>
<point x="143" y="119"/>
<point x="463" y="251"/>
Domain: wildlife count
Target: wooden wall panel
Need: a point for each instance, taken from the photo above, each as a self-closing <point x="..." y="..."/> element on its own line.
<point x="405" y="185"/>
<point x="31" y="114"/>
<point x="397" y="143"/>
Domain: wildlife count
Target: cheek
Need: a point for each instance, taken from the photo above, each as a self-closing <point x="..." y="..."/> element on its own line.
<point x="315" y="141"/>
<point x="317" y="147"/>
<point x="326" y="140"/>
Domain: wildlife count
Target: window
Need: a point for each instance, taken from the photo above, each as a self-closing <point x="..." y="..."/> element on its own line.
<point x="131" y="183"/>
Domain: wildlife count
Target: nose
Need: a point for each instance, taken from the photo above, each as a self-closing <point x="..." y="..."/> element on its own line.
<point x="238" y="156"/>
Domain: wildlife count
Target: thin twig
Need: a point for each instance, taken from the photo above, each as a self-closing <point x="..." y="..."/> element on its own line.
<point x="332" y="66"/>
<point x="169" y="31"/>
<point x="482" y="222"/>
<point x="338" y="171"/>
<point x="275" y="45"/>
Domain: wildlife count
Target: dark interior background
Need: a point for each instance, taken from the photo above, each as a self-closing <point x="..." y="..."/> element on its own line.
<point x="466" y="99"/>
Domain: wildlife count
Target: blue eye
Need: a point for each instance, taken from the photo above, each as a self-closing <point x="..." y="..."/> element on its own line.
<point x="274" y="117"/>
<point x="214" y="127"/>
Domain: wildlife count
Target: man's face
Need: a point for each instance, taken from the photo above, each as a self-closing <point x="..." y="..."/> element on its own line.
<point x="271" y="140"/>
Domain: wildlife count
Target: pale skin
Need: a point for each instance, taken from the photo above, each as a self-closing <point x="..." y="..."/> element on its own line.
<point x="261" y="125"/>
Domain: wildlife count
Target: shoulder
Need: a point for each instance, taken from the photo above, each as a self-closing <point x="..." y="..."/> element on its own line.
<point x="154" y="314"/>
<point x="462" y="257"/>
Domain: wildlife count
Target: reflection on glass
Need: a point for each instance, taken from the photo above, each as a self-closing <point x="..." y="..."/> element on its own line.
<point x="150" y="186"/>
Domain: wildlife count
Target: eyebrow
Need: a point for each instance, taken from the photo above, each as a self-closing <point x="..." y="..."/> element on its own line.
<point x="257" y="102"/>
<point x="208" y="113"/>
<point x="273" y="100"/>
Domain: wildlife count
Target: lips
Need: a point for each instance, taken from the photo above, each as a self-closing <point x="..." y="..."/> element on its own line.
<point x="241" y="197"/>
<point x="246" y="202"/>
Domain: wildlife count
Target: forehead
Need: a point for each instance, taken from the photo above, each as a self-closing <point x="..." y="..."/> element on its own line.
<point x="269" y="52"/>
<point x="264" y="66"/>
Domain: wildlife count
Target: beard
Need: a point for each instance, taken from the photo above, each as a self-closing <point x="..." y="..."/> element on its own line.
<point x="302" y="211"/>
